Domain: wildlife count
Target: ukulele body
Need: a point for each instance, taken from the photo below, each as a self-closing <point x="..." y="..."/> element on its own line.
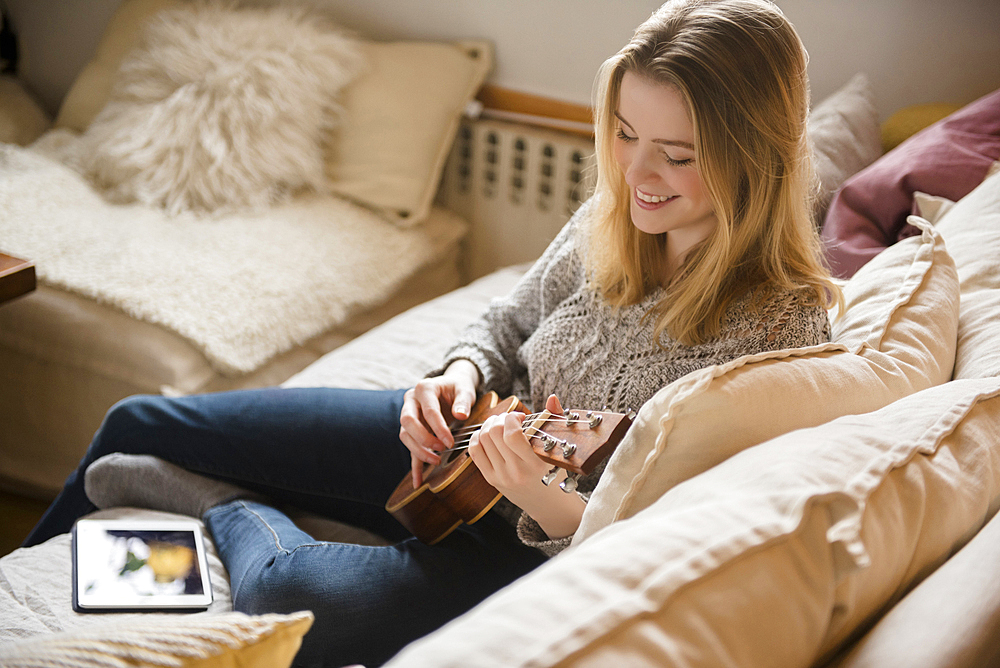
<point x="453" y="491"/>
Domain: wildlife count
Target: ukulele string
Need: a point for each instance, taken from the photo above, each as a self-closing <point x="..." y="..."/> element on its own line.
<point x="469" y="429"/>
<point x="464" y="445"/>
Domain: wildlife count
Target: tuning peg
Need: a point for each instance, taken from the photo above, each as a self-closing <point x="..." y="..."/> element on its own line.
<point x="550" y="476"/>
<point x="630" y="413"/>
<point x="568" y="449"/>
<point x="569" y="484"/>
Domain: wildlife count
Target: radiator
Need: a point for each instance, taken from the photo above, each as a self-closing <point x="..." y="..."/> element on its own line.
<point x="517" y="185"/>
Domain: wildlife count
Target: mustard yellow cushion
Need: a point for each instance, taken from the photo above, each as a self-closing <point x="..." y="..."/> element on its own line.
<point x="227" y="640"/>
<point x="908" y="121"/>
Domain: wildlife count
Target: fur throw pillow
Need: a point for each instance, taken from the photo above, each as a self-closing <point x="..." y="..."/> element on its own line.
<point x="221" y="108"/>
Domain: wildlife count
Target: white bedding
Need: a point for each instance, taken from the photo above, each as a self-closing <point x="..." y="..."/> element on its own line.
<point x="241" y="288"/>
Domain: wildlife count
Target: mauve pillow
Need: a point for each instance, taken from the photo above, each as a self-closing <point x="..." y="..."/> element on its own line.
<point x="948" y="159"/>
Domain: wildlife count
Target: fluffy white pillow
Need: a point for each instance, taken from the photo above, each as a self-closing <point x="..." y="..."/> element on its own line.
<point x="221" y="108"/>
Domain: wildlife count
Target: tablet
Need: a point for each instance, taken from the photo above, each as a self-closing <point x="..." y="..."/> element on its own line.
<point x="136" y="565"/>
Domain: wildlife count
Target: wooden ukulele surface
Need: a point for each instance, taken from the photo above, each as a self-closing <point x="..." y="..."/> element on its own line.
<point x="454" y="491"/>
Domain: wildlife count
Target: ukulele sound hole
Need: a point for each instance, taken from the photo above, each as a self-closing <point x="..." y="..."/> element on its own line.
<point x="449" y="456"/>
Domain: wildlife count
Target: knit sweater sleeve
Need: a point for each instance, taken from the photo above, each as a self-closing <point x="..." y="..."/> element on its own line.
<point x="492" y="341"/>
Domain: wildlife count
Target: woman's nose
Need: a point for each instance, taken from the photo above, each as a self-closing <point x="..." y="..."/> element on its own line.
<point x="640" y="170"/>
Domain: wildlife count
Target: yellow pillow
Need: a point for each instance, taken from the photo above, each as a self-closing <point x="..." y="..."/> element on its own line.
<point x="400" y="115"/>
<point x="188" y="641"/>
<point x="908" y="121"/>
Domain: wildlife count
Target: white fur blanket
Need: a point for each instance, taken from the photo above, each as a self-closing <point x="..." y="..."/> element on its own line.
<point x="240" y="287"/>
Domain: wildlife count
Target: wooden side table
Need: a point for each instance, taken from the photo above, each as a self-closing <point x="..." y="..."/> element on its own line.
<point x="17" y="277"/>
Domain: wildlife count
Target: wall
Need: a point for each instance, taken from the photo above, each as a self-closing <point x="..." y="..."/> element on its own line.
<point x="913" y="50"/>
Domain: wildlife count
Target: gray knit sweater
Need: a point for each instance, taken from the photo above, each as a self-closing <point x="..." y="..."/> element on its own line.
<point x="553" y="334"/>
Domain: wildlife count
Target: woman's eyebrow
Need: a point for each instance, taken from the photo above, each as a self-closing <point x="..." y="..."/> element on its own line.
<point x="666" y="142"/>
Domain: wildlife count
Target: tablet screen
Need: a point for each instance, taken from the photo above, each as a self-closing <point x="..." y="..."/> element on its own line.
<point x="139" y="565"/>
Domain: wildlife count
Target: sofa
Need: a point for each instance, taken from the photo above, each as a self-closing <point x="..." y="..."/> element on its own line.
<point x="825" y="506"/>
<point x="829" y="520"/>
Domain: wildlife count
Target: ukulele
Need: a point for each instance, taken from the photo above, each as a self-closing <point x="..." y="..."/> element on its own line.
<point x="454" y="491"/>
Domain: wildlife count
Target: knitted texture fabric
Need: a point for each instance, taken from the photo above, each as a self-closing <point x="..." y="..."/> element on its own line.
<point x="553" y="334"/>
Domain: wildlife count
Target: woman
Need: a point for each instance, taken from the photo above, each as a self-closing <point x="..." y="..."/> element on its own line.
<point x="696" y="248"/>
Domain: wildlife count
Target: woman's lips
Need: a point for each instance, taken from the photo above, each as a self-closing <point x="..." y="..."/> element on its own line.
<point x="650" y="206"/>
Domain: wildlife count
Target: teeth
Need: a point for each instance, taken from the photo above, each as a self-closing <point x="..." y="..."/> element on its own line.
<point x="652" y="199"/>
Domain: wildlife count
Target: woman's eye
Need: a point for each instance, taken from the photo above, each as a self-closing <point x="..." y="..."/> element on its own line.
<point x="677" y="163"/>
<point x="623" y="136"/>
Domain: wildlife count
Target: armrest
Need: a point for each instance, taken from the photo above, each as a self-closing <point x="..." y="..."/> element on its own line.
<point x="23" y="121"/>
<point x="952" y="619"/>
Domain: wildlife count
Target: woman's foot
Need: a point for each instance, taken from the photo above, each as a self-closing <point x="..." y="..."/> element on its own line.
<point x="145" y="481"/>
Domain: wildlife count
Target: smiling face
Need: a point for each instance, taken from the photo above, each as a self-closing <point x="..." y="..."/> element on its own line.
<point x="655" y="150"/>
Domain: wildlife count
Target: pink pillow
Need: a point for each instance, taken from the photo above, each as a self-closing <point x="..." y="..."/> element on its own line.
<point x="948" y="159"/>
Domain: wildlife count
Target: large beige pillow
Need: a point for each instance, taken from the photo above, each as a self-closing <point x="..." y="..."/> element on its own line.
<point x="400" y="114"/>
<point x="971" y="229"/>
<point x="897" y="336"/>
<point x="773" y="558"/>
<point x="226" y="640"/>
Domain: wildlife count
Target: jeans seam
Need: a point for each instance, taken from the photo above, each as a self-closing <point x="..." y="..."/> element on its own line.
<point x="277" y="539"/>
<point x="274" y="534"/>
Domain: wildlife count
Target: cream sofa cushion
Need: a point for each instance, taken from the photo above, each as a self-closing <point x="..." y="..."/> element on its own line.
<point x="401" y="116"/>
<point x="196" y="641"/>
<point x="971" y="229"/>
<point x="896" y="337"/>
<point x="820" y="528"/>
<point x="92" y="87"/>
<point x="22" y="120"/>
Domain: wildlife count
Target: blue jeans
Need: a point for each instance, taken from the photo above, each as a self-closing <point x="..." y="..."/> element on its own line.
<point x="333" y="452"/>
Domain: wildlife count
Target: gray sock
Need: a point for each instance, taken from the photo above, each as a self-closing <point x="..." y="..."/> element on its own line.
<point x="145" y="481"/>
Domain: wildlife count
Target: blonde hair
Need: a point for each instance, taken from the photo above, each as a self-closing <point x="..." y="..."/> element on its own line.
<point x="741" y="69"/>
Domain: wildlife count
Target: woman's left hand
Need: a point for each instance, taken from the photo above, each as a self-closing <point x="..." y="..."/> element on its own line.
<point x="506" y="459"/>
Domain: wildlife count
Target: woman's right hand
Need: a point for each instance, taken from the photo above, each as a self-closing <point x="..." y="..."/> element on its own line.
<point x="429" y="407"/>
